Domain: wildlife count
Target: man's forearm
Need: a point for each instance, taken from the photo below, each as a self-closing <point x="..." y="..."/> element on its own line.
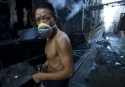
<point x="55" y="76"/>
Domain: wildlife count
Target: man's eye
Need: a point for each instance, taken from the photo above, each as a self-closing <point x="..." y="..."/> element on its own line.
<point x="47" y="18"/>
<point x="38" y="19"/>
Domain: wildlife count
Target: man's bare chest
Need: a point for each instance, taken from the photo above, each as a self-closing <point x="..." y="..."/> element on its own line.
<point x="50" y="49"/>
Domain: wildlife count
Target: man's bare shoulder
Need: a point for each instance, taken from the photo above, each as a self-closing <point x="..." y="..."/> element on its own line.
<point x="63" y="41"/>
<point x="62" y="37"/>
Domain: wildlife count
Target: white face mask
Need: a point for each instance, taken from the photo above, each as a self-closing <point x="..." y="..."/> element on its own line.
<point x="44" y="31"/>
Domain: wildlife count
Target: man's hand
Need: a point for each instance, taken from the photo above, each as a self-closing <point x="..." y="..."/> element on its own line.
<point x="37" y="77"/>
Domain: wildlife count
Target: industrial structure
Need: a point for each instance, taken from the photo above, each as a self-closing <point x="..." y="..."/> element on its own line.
<point x="98" y="56"/>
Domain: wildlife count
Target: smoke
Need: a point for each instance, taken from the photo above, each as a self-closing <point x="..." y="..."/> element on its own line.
<point x="58" y="4"/>
<point x="76" y="7"/>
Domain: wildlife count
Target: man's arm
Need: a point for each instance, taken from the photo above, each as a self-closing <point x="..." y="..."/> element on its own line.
<point x="65" y="54"/>
<point x="66" y="57"/>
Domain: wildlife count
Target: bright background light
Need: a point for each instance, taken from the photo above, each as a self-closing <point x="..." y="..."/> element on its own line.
<point x="109" y="13"/>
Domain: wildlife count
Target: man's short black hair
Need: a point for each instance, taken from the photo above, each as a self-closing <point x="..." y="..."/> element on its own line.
<point x="48" y="6"/>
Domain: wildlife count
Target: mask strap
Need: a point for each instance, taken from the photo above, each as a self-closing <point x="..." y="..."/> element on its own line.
<point x="53" y="26"/>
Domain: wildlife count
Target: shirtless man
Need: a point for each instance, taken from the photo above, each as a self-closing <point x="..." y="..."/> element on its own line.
<point x="58" y="48"/>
